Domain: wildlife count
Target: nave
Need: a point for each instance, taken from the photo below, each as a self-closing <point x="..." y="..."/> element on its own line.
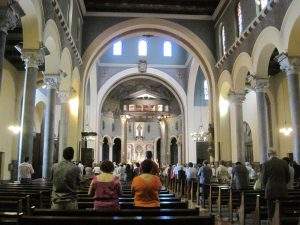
<point x="205" y="81"/>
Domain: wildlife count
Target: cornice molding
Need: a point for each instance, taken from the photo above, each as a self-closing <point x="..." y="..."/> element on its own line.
<point x="67" y="30"/>
<point x="246" y="32"/>
<point x="149" y="15"/>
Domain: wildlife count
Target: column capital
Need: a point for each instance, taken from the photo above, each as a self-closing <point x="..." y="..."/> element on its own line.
<point x="237" y="97"/>
<point x="52" y="81"/>
<point x="64" y="95"/>
<point x="288" y="64"/>
<point x="33" y="57"/>
<point x="10" y="15"/>
<point x="258" y="83"/>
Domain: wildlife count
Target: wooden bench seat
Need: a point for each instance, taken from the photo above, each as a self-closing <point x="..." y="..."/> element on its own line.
<point x="129" y="205"/>
<point x="122" y="212"/>
<point x="136" y="220"/>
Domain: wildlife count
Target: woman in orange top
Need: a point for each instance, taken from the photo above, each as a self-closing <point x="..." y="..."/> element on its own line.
<point x="146" y="187"/>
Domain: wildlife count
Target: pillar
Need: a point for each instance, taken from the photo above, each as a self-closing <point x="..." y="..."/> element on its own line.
<point x="52" y="83"/>
<point x="32" y="59"/>
<point x="9" y="17"/>
<point x="237" y="99"/>
<point x="64" y="96"/>
<point x="124" y="122"/>
<point x="111" y="151"/>
<point x="291" y="67"/>
<point x="179" y="147"/>
<point x="260" y="85"/>
<point x="164" y="147"/>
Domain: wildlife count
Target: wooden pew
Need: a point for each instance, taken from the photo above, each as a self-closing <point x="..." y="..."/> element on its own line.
<point x="287" y="212"/>
<point x="136" y="220"/>
<point x="130" y="205"/>
<point x="122" y="212"/>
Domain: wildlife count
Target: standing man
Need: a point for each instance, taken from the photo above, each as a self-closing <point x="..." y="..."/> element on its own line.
<point x="240" y="177"/>
<point x="204" y="174"/>
<point x="25" y="171"/>
<point x="275" y="176"/>
<point x="66" y="181"/>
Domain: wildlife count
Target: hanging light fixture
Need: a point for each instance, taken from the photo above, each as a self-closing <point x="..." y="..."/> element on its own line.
<point x="201" y="135"/>
<point x="286" y="131"/>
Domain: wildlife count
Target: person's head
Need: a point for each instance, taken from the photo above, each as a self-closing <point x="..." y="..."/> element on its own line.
<point x="128" y="167"/>
<point x="238" y="163"/>
<point x="205" y="162"/>
<point x="137" y="164"/>
<point x="147" y="166"/>
<point x="26" y="159"/>
<point x="68" y="153"/>
<point x="191" y="164"/>
<point x="287" y="160"/>
<point x="271" y="153"/>
<point x="148" y="155"/>
<point x="222" y="163"/>
<point x="107" y="167"/>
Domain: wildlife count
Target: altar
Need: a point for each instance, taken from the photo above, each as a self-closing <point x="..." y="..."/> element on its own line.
<point x="136" y="150"/>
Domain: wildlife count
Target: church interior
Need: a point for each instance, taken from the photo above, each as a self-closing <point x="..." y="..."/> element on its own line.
<point x="189" y="81"/>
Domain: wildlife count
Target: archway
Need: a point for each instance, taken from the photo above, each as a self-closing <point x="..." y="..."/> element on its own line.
<point x="116" y="157"/>
<point x="176" y="32"/>
<point x="105" y="149"/>
<point x="158" y="151"/>
<point x="174" y="151"/>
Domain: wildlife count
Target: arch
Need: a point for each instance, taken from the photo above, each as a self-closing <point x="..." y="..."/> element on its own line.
<point x="105" y="148"/>
<point x="138" y="26"/>
<point x="267" y="41"/>
<point x="173" y="150"/>
<point x="116" y="154"/>
<point x="53" y="43"/>
<point x="152" y="73"/>
<point x="241" y="67"/>
<point x="32" y="23"/>
<point x="66" y="67"/>
<point x="290" y="30"/>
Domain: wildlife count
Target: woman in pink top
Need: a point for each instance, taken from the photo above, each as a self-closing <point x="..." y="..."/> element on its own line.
<point x="106" y="188"/>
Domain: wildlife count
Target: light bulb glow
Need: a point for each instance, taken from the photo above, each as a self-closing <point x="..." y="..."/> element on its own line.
<point x="223" y="106"/>
<point x="286" y="131"/>
<point x="14" y="129"/>
<point x="74" y="104"/>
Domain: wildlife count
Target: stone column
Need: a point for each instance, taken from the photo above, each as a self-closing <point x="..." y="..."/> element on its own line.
<point x="237" y="99"/>
<point x="52" y="84"/>
<point x="164" y="147"/>
<point x="291" y="67"/>
<point x="111" y="151"/>
<point x="260" y="85"/>
<point x="9" y="16"/>
<point x="124" y="122"/>
<point x="63" y="123"/>
<point x="179" y="145"/>
<point x="32" y="59"/>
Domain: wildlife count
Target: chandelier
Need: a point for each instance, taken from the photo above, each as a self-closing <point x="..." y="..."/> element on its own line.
<point x="200" y="136"/>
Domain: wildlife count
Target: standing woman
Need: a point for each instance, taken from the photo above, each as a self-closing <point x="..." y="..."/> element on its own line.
<point x="106" y="188"/>
<point x="146" y="187"/>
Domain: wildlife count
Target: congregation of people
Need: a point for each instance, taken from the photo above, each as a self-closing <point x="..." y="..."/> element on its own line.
<point x="146" y="179"/>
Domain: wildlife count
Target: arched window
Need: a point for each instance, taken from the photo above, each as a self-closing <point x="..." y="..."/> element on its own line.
<point x="260" y="5"/>
<point x="117" y="48"/>
<point x="239" y="18"/>
<point x="142" y="48"/>
<point x="206" y="92"/>
<point x="222" y="38"/>
<point x="167" y="49"/>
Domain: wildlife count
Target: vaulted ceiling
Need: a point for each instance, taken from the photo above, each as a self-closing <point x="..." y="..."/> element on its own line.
<point x="188" y="7"/>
